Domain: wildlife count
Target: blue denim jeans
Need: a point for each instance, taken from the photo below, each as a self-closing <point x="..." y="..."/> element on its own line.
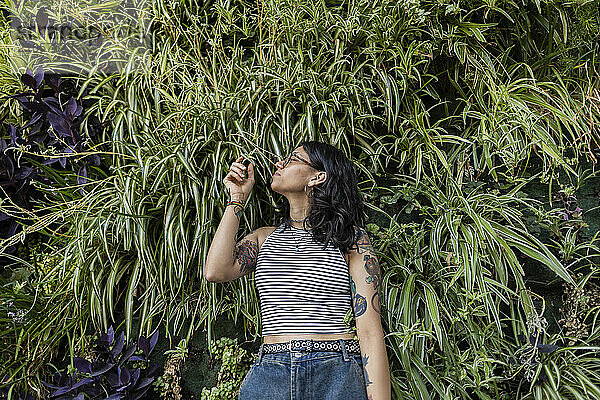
<point x="301" y="375"/>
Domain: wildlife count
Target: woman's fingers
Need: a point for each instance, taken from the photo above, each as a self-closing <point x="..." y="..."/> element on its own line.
<point x="235" y="175"/>
<point x="237" y="169"/>
<point x="236" y="172"/>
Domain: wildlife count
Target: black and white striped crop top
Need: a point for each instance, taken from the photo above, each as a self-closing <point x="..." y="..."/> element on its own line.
<point x="301" y="292"/>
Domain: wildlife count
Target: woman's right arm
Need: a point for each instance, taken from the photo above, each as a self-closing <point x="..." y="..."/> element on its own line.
<point x="227" y="260"/>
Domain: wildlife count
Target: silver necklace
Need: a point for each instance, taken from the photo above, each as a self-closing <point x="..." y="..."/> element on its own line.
<point x="296" y="241"/>
<point x="293" y="234"/>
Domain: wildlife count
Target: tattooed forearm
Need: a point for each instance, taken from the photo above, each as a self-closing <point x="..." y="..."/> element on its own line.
<point x="246" y="254"/>
<point x="365" y="360"/>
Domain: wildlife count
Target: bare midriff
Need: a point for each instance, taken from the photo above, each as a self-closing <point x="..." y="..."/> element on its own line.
<point x="269" y="339"/>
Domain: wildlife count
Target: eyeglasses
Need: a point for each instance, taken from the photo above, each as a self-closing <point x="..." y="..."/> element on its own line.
<point x="287" y="160"/>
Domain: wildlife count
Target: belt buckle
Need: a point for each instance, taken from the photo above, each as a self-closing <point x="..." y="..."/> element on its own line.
<point x="300" y="345"/>
<point x="295" y="343"/>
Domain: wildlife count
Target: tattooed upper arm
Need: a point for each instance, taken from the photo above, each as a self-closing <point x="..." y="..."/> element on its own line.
<point x="245" y="255"/>
<point x="363" y="243"/>
<point x="245" y="252"/>
<point x="365" y="280"/>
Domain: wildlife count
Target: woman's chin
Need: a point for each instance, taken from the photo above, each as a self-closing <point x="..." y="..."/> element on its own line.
<point x="274" y="186"/>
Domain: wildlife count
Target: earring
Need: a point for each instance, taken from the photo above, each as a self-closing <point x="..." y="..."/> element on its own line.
<point x="307" y="195"/>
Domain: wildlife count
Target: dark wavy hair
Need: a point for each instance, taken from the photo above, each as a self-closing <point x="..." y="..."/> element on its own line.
<point x="336" y="208"/>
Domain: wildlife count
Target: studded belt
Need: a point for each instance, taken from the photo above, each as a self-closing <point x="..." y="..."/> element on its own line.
<point x="312" y="345"/>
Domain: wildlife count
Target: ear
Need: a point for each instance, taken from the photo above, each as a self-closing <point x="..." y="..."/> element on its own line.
<point x="319" y="178"/>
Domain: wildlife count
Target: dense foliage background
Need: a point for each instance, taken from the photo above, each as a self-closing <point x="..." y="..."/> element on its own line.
<point x="474" y="126"/>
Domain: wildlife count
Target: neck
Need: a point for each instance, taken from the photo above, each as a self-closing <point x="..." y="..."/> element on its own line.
<point x="298" y="210"/>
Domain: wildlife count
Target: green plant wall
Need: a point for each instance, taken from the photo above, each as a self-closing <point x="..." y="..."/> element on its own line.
<point x="470" y="123"/>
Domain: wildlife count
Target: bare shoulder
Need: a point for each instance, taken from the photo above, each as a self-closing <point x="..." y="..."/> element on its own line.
<point x="263" y="232"/>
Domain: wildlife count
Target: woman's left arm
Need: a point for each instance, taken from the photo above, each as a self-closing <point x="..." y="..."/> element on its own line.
<point x="365" y="284"/>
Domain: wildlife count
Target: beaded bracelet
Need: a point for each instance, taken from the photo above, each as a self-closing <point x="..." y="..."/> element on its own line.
<point x="237" y="203"/>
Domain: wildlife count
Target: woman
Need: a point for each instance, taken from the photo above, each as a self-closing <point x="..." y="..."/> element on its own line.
<point x="309" y="271"/>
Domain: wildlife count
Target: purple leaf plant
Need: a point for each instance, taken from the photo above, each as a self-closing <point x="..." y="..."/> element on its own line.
<point x="113" y="374"/>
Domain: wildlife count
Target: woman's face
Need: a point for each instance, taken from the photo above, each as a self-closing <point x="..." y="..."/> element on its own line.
<point x="295" y="174"/>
